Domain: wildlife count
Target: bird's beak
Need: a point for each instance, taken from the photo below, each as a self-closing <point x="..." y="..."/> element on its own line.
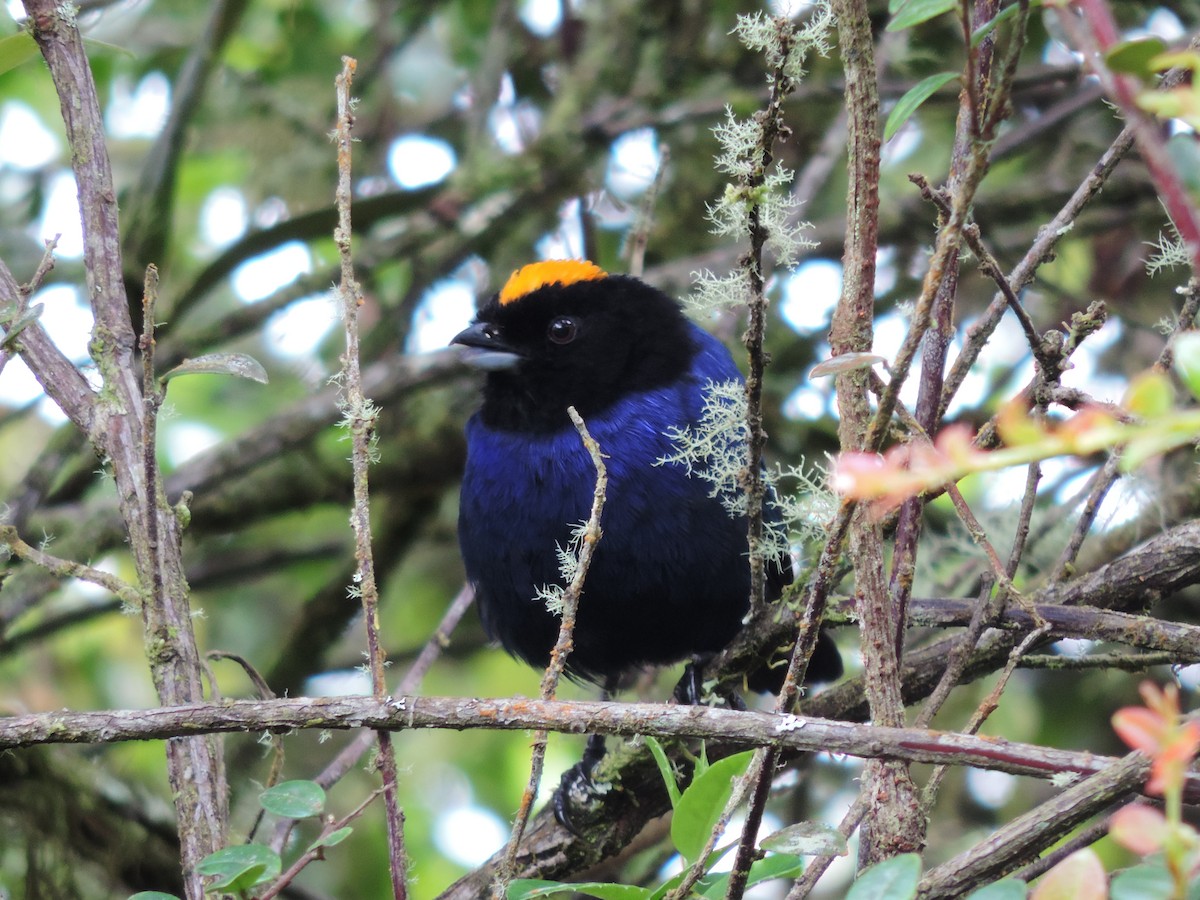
<point x="485" y="348"/>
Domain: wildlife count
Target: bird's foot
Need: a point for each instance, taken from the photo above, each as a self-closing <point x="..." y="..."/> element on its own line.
<point x="579" y="796"/>
<point x="689" y="691"/>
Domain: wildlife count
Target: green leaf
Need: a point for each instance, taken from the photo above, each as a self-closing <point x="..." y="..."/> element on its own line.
<point x="805" y="839"/>
<point x="702" y="803"/>
<point x="1133" y="57"/>
<point x="16" y="50"/>
<point x="912" y="100"/>
<point x="892" y="879"/>
<point x="333" y="838"/>
<point x="1149" y="880"/>
<point x="294" y="799"/>
<point x="1187" y="360"/>
<point x="14" y="324"/>
<point x="914" y="12"/>
<point x="91" y="45"/>
<point x="1007" y="889"/>
<point x="239" y="364"/>
<point x="1186" y="155"/>
<point x="1150" y="395"/>
<point x="240" y="868"/>
<point x="1141" y="449"/>
<point x="524" y="888"/>
<point x="664" y="768"/>
<point x="152" y="895"/>
<point x="1182" y="59"/>
<point x="777" y="865"/>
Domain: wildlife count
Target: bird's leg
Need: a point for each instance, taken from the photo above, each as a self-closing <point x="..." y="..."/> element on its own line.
<point x="689" y="691"/>
<point x="577" y="792"/>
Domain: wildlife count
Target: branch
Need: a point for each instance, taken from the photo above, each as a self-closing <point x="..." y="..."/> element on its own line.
<point x="361" y="416"/>
<point x="116" y="427"/>
<point x="1022" y="839"/>
<point x="1161" y="566"/>
<point x="736" y="727"/>
<point x="148" y="207"/>
<point x="65" y="568"/>
<point x="349" y="755"/>
<point x="895" y="824"/>
<point x="58" y="376"/>
<point x="1085" y="622"/>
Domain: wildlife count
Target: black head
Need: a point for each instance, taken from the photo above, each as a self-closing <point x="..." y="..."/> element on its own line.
<point x="563" y="333"/>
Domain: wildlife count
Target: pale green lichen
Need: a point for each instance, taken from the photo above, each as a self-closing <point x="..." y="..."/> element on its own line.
<point x="715" y="451"/>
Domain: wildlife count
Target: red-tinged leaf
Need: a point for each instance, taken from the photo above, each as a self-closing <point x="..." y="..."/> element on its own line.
<point x="1162" y="700"/>
<point x="1182" y="743"/>
<point x="1080" y="433"/>
<point x="1138" y="828"/>
<point x="1190" y="735"/>
<point x="1078" y="877"/>
<point x="954" y="444"/>
<point x="1140" y="728"/>
<point x="859" y="475"/>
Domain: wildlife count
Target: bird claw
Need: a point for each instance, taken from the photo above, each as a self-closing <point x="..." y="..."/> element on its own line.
<point x="579" y="796"/>
<point x="689" y="691"/>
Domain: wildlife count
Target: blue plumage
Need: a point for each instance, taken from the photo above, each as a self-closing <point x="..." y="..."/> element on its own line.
<point x="670" y="576"/>
<point x="671" y="566"/>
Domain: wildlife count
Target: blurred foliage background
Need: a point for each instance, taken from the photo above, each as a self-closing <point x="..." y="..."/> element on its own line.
<point x="491" y="133"/>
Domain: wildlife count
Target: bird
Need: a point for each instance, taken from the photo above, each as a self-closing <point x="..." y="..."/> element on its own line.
<point x="670" y="577"/>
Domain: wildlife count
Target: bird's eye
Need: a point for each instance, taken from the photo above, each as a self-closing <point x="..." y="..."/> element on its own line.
<point x="562" y="330"/>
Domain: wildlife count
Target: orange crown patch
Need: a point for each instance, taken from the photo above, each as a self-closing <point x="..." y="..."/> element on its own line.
<point x="528" y="279"/>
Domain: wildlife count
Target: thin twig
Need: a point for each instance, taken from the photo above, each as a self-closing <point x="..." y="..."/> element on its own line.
<point x="130" y="596"/>
<point x="985" y="708"/>
<point x="590" y="537"/>
<point x="770" y="128"/>
<point x="756" y="775"/>
<point x="361" y="416"/>
<point x="1120" y="662"/>
<point x="1039" y="252"/>
<point x="20" y="303"/>
<point x="1085" y="838"/>
<point x="816" y="868"/>
<point x="316" y="850"/>
<point x="1024" y="837"/>
<point x="639" y="235"/>
<point x="985" y="610"/>
<point x="1095" y="33"/>
<point x="349" y="755"/>
<point x="1111" y="470"/>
